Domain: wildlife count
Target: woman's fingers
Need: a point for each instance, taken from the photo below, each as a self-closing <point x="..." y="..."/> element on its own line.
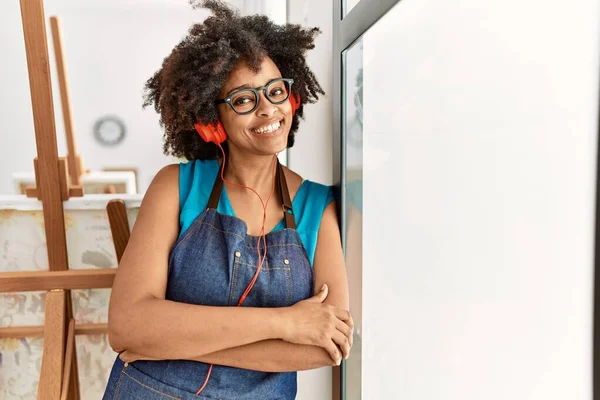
<point x="346" y="330"/>
<point x="343" y="343"/>
<point x="333" y="351"/>
<point x="344" y="316"/>
<point x="320" y="296"/>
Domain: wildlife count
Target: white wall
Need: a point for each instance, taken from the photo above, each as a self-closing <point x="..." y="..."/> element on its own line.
<point x="480" y="123"/>
<point x="311" y="155"/>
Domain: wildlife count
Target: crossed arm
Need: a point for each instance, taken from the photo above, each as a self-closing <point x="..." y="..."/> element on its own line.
<point x="140" y="317"/>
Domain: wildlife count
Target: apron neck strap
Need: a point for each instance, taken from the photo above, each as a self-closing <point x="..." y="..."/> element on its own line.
<point x="286" y="202"/>
<point x="215" y="195"/>
<point x="282" y="189"/>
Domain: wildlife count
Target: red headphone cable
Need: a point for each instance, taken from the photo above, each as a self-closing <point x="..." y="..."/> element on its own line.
<point x="261" y="234"/>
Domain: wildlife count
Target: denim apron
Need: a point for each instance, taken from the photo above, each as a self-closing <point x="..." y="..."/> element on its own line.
<point x="211" y="264"/>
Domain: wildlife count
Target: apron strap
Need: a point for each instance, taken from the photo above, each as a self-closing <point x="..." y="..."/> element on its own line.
<point x="215" y="195"/>
<point x="286" y="202"/>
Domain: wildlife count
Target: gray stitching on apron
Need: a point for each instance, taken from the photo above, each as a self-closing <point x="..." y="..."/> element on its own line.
<point x="290" y="288"/>
<point x="148" y="387"/>
<point x="265" y="268"/>
<point x="233" y="280"/>
<point x="119" y="382"/>
<point x="200" y="222"/>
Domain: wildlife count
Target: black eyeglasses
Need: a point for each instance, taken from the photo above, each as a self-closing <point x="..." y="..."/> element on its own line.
<point x="244" y="101"/>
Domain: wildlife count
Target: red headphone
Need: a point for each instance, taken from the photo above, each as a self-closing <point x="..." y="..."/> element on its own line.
<point x="295" y="102"/>
<point x="216" y="134"/>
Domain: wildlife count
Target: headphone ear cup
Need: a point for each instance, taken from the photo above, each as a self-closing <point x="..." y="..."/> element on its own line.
<point x="212" y="133"/>
<point x="205" y="132"/>
<point x="220" y="132"/>
<point x="295" y="102"/>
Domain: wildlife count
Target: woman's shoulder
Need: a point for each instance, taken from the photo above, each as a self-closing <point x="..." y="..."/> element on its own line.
<point x="294" y="181"/>
<point x="167" y="175"/>
<point x="179" y="178"/>
<point x="197" y="166"/>
<point x="162" y="191"/>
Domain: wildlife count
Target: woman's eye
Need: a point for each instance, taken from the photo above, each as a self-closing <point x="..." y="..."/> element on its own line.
<point x="242" y="100"/>
<point x="277" y="92"/>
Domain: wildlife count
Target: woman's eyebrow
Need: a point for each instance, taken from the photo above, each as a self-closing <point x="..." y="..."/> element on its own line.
<point x="246" y="86"/>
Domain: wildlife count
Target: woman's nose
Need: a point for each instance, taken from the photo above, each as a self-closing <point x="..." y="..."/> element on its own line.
<point x="265" y="107"/>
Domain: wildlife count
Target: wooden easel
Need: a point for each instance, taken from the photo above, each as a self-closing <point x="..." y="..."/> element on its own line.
<point x="55" y="379"/>
<point x="70" y="167"/>
<point x="59" y="375"/>
<point x="74" y="160"/>
<point x="119" y="226"/>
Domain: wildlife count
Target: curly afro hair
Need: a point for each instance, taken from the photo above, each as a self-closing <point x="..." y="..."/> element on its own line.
<point x="184" y="89"/>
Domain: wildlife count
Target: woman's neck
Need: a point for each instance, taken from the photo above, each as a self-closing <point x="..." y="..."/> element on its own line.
<point x="253" y="171"/>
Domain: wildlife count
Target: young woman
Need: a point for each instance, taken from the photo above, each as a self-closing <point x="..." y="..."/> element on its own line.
<point x="225" y="291"/>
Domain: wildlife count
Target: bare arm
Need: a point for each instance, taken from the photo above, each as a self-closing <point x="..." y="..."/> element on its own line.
<point x="140" y="317"/>
<point x="330" y="269"/>
<point x="281" y="356"/>
<point x="266" y="356"/>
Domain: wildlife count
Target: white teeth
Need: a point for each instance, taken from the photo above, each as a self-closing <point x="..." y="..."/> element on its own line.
<point x="270" y="128"/>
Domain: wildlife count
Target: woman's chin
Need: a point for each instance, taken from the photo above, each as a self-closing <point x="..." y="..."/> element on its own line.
<point x="271" y="145"/>
<point x="271" y="150"/>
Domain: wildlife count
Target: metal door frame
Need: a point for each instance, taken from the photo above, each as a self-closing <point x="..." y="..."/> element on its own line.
<point x="346" y="30"/>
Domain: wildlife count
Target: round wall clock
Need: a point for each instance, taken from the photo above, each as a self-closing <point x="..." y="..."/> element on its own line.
<point x="109" y="131"/>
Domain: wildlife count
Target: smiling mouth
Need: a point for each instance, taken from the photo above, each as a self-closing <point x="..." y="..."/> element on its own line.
<point x="268" y="129"/>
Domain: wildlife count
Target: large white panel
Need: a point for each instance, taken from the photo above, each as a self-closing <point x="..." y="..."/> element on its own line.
<point x="475" y="175"/>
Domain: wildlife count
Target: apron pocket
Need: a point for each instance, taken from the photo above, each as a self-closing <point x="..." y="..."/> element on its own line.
<point x="274" y="286"/>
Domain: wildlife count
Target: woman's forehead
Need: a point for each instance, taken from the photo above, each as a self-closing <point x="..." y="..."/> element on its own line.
<point x="242" y="75"/>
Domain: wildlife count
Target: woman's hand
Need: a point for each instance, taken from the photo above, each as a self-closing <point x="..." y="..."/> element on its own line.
<point x="309" y="322"/>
